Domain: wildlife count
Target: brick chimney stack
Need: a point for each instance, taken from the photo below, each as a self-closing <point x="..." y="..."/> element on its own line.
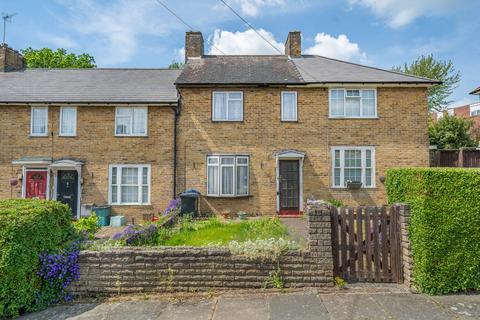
<point x="293" y="45"/>
<point x="10" y="60"/>
<point x="193" y="45"/>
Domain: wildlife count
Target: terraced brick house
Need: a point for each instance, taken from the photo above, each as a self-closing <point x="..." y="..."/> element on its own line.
<point x="253" y="133"/>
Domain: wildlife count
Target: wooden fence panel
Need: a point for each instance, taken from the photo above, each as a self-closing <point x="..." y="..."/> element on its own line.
<point x="366" y="244"/>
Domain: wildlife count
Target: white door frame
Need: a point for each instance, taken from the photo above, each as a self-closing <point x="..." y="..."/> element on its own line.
<point x="68" y="165"/>
<point x="289" y="155"/>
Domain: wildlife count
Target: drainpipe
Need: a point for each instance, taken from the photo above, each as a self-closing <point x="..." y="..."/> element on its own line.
<point x="176" y="111"/>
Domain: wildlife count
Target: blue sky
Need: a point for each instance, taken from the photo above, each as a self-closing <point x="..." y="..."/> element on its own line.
<point x="141" y="33"/>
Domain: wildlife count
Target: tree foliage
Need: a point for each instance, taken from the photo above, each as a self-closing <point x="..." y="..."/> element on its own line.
<point x="176" y="65"/>
<point x="441" y="70"/>
<point x="451" y="132"/>
<point x="47" y="58"/>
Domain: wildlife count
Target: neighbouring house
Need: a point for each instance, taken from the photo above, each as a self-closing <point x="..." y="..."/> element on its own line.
<point x="250" y="132"/>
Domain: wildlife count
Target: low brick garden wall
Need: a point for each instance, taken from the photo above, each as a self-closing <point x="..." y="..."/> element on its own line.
<point x="135" y="270"/>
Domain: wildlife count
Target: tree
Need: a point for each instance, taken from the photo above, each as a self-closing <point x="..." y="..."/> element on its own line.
<point x="47" y="58"/>
<point x="451" y="132"/>
<point x="444" y="71"/>
<point x="176" y="65"/>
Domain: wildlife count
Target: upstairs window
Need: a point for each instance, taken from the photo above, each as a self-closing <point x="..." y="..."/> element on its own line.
<point x="227" y="176"/>
<point x="130" y="184"/>
<point x="227" y="106"/>
<point x="131" y="121"/>
<point x="353" y="103"/>
<point x="289" y="106"/>
<point x="355" y="164"/>
<point x="39" y="121"/>
<point x="68" y="121"/>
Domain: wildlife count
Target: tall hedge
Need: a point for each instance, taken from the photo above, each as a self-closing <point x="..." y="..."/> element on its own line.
<point x="27" y="229"/>
<point x="444" y="227"/>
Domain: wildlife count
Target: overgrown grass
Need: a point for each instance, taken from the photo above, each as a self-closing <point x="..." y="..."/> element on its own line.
<point x="216" y="232"/>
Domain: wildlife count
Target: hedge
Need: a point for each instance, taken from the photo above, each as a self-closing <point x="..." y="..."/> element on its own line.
<point x="28" y="228"/>
<point x="444" y="226"/>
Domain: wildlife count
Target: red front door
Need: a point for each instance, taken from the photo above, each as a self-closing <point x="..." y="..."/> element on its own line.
<point x="36" y="185"/>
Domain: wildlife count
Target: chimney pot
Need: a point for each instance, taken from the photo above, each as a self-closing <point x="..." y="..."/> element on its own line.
<point x="293" y="45"/>
<point x="10" y="60"/>
<point x="193" y="45"/>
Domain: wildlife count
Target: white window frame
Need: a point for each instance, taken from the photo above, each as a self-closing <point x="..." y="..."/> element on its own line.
<point x="296" y="107"/>
<point x="60" y="133"/>
<point x="228" y="99"/>
<point x="131" y="134"/>
<point x="375" y="116"/>
<point x="139" y="184"/>
<point x="32" y="134"/>
<point x="342" y="165"/>
<point x="234" y="166"/>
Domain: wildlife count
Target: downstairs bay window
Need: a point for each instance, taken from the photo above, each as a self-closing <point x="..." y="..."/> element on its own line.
<point x="227" y="176"/>
<point x="129" y="184"/>
<point x="353" y="164"/>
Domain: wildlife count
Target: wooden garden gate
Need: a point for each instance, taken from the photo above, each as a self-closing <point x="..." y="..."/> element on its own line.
<point x="366" y="243"/>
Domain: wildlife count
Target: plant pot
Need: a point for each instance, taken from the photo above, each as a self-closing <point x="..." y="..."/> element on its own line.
<point x="242" y="215"/>
<point x="354" y="184"/>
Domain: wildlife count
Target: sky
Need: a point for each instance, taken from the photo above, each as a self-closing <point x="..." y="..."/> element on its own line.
<point x="142" y="33"/>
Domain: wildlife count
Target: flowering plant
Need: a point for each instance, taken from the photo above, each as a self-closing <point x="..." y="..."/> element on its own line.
<point x="57" y="271"/>
<point x="135" y="235"/>
<point x="173" y="207"/>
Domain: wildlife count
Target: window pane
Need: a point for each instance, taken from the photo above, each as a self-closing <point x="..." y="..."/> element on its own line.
<point x="114" y="175"/>
<point x="336" y="102"/>
<point x="212" y="180"/>
<point x="368" y="107"/>
<point x="352" y="175"/>
<point x="219" y="106"/>
<point x="336" y="176"/>
<point x="242" y="160"/>
<point x="145" y="194"/>
<point x="235" y="111"/>
<point x="368" y="158"/>
<point x="212" y="160"/>
<point x="145" y="176"/>
<point x="227" y="180"/>
<point x="123" y="125"/>
<point x="122" y="111"/>
<point x="289" y="106"/>
<point x="228" y="160"/>
<point x="368" y="177"/>
<point x="353" y="158"/>
<point x="353" y="93"/>
<point x="130" y="176"/>
<point x="139" y="121"/>
<point x="68" y="124"/>
<point x="129" y="194"/>
<point x="39" y="120"/>
<point x="368" y="94"/>
<point x="234" y="95"/>
<point x="337" y="158"/>
<point x="242" y="180"/>
<point x="114" y="194"/>
<point x="352" y="107"/>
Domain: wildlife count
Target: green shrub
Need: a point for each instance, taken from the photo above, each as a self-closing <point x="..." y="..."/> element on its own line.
<point x="28" y="228"/>
<point x="87" y="226"/>
<point x="444" y="227"/>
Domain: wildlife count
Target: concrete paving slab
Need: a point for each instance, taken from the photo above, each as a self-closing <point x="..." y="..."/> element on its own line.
<point x="242" y="309"/>
<point x="465" y="306"/>
<point x="61" y="312"/>
<point x="297" y="306"/>
<point x="412" y="307"/>
<point x="200" y="310"/>
<point x="346" y="306"/>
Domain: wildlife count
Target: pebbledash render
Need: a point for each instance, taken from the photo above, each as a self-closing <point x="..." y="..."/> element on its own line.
<point x="252" y="133"/>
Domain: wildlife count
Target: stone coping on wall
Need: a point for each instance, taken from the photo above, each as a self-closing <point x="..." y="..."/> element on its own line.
<point x="168" y="269"/>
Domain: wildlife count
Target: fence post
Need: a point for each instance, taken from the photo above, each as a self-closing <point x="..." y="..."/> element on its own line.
<point x="406" y="250"/>
<point x="460" y="158"/>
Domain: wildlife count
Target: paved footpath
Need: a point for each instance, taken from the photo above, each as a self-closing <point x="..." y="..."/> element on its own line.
<point x="304" y="305"/>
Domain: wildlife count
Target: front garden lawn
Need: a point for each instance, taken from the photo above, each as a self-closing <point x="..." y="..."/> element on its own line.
<point x="216" y="232"/>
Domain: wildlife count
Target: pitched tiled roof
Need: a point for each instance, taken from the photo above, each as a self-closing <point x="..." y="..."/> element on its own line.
<point x="476" y="91"/>
<point x="89" y="86"/>
<point x="239" y="70"/>
<point x="281" y="69"/>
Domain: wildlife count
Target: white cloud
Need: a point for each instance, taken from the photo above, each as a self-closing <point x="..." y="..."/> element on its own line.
<point x="57" y="41"/>
<point x="253" y="7"/>
<point x="338" y="48"/>
<point x="115" y="27"/>
<point x="179" y="54"/>
<point x="246" y="42"/>
<point x="462" y="102"/>
<point x="399" y="13"/>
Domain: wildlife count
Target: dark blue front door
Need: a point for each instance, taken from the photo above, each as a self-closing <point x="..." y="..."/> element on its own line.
<point x="67" y="189"/>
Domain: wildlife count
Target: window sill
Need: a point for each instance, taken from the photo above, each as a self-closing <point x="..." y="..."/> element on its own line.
<point x="228" y="197"/>
<point x="353" y="118"/>
<point x="38" y="135"/>
<point x="131" y="136"/>
<point x="130" y="205"/>
<point x="348" y="189"/>
<point x="67" y="136"/>
<point x="227" y="121"/>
